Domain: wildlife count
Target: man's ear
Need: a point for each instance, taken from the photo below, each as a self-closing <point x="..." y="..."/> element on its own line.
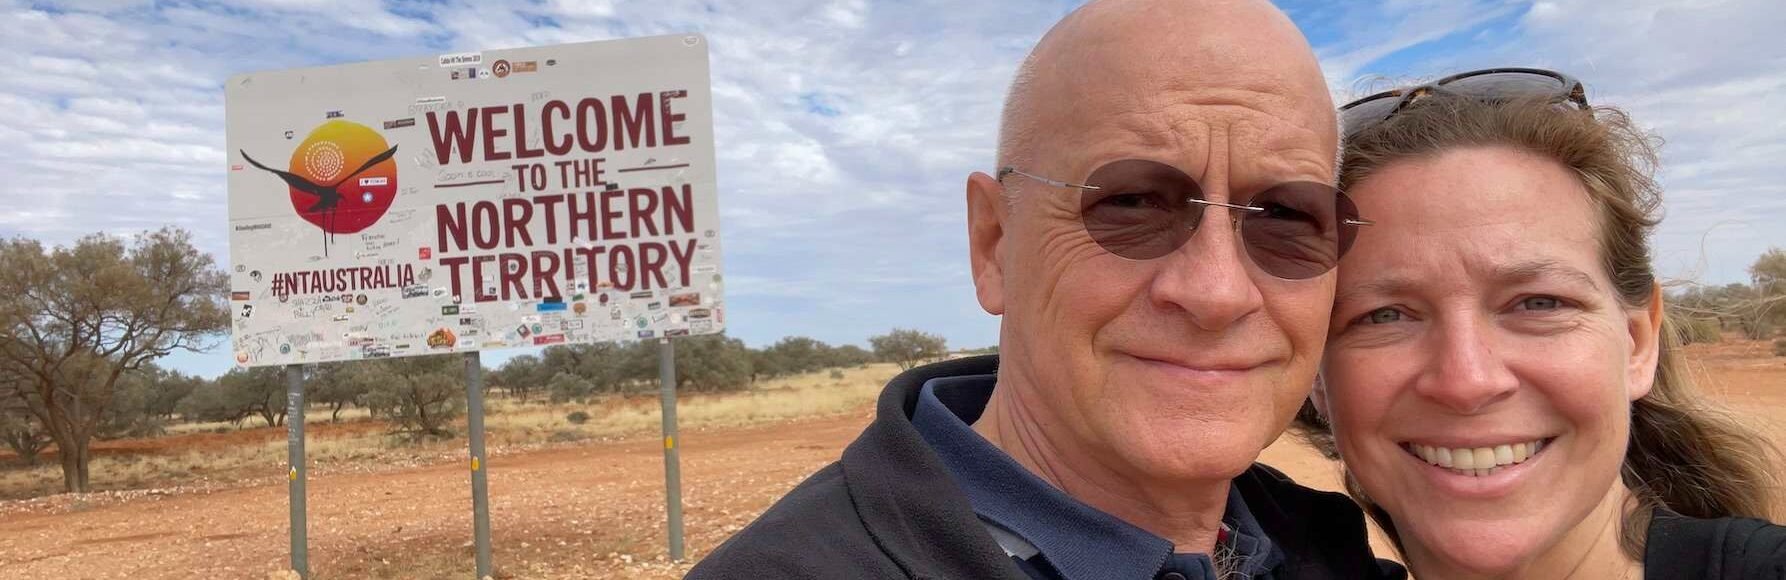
<point x="986" y="213"/>
<point x="1645" y="326"/>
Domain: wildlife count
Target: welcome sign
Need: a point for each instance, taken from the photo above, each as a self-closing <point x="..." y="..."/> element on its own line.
<point x="524" y="197"/>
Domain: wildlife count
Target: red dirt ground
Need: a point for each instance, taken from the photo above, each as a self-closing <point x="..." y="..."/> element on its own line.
<point x="591" y="510"/>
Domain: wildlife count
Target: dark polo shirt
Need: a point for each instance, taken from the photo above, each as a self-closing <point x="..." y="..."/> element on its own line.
<point x="1048" y="533"/>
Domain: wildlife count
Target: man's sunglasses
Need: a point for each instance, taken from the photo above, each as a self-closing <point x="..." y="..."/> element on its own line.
<point x="1485" y="84"/>
<point x="1141" y="209"/>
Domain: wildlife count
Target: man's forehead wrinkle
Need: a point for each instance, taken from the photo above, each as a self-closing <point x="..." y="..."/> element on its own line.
<point x="1258" y="140"/>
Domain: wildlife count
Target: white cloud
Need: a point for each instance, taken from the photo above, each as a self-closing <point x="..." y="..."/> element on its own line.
<point x="1384" y="30"/>
<point x="1709" y="78"/>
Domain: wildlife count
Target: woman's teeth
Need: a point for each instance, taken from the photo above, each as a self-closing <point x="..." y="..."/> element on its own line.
<point x="1477" y="461"/>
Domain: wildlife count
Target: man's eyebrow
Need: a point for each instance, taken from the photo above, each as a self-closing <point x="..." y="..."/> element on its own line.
<point x="1539" y="269"/>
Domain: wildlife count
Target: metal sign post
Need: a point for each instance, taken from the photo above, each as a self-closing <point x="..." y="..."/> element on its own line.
<point x="294" y="456"/>
<point x="480" y="483"/>
<point x="666" y="375"/>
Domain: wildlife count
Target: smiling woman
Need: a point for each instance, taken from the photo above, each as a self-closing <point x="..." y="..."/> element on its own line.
<point x="1500" y="380"/>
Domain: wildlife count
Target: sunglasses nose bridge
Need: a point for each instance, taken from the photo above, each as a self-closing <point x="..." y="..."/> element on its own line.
<point x="1235" y="211"/>
<point x="1212" y="245"/>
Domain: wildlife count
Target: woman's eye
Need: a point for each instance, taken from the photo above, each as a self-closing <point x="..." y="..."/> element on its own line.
<point x="1383" y="316"/>
<point x="1541" y="303"/>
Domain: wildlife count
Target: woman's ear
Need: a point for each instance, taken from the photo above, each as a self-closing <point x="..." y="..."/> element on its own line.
<point x="1645" y="327"/>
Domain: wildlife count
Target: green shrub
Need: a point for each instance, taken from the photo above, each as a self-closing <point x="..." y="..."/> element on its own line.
<point x="1780" y="347"/>
<point x="577" y="417"/>
<point x="836" y="375"/>
<point x="1701" y="330"/>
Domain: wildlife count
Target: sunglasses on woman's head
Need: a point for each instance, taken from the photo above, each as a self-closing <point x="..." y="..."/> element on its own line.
<point x="1485" y="84"/>
<point x="1141" y="209"/>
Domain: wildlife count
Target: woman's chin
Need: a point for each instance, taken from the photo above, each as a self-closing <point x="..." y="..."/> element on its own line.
<point x="1480" y="549"/>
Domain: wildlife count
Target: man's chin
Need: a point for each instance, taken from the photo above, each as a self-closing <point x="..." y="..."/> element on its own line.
<point x="1201" y="452"/>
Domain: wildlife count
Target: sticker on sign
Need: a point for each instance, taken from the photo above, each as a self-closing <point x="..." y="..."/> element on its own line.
<point x="461" y="59"/>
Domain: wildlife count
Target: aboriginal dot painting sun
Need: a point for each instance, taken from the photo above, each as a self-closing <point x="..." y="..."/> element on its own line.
<point x="326" y="192"/>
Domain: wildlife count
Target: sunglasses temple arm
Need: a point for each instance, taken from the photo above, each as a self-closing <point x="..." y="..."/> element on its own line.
<point x="1053" y="182"/>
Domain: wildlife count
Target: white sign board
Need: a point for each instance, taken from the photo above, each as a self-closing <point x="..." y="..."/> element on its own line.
<point x="524" y="197"/>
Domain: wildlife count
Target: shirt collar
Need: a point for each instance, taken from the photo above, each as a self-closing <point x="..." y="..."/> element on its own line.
<point x="1078" y="540"/>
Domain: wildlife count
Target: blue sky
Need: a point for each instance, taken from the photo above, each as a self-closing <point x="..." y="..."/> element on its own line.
<point x="844" y="128"/>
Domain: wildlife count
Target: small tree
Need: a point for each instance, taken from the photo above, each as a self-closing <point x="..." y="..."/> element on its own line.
<point x="1768" y="276"/>
<point x="145" y="401"/>
<point x="420" y="395"/>
<point x="711" y="363"/>
<point x="1768" y="273"/>
<point x="908" y="348"/>
<point x="764" y="364"/>
<point x="566" y="387"/>
<point x="170" y="387"/>
<point x="208" y="403"/>
<point x="848" y="355"/>
<point x="327" y="384"/>
<point x="520" y="376"/>
<point x="796" y="354"/>
<point x="258" y="391"/>
<point x="603" y="367"/>
<point x="20" y="431"/>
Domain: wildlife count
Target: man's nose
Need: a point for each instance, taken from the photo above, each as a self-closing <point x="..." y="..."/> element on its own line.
<point x="1464" y="373"/>
<point x="1208" y="276"/>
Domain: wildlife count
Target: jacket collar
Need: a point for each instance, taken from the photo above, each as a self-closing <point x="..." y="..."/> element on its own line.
<point x="907" y="500"/>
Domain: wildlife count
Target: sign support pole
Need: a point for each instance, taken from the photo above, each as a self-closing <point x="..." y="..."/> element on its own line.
<point x="294" y="456"/>
<point x="666" y="376"/>
<point x="480" y="483"/>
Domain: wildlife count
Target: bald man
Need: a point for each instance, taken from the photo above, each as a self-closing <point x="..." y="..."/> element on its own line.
<point x="1159" y="238"/>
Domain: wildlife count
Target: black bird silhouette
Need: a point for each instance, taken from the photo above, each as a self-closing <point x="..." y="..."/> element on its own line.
<point x="327" y="196"/>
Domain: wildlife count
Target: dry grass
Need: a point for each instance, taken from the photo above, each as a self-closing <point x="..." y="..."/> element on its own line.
<point x="132" y="471"/>
<point x="812" y="394"/>
<point x="254" y="451"/>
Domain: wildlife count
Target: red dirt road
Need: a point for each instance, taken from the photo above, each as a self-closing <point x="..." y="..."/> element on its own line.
<point x="589" y="511"/>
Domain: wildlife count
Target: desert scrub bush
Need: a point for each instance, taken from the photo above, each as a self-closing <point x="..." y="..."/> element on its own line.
<point x="1780" y="347"/>
<point x="1701" y="330"/>
<point x="577" y="417"/>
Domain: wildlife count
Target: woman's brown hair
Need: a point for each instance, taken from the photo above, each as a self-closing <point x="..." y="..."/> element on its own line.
<point x="1684" y="454"/>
